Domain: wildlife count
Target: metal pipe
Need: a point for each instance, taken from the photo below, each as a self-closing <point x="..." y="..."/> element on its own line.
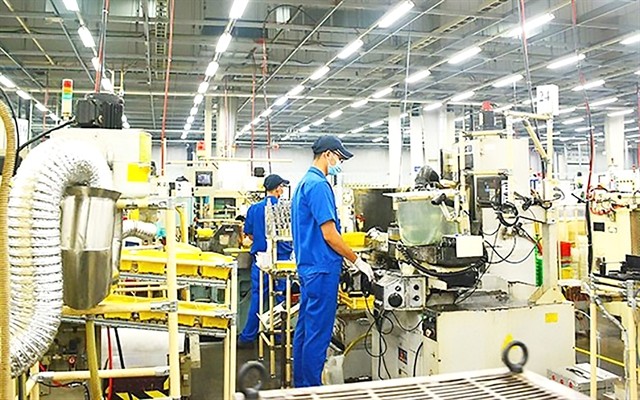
<point x="147" y="44"/>
<point x="92" y="360"/>
<point x="172" y="297"/>
<point x="65" y="376"/>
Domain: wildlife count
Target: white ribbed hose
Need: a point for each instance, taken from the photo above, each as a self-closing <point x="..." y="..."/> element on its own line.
<point x="139" y="229"/>
<point x="34" y="241"/>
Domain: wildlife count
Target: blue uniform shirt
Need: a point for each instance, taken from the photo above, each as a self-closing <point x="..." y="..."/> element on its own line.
<point x="254" y="225"/>
<point x="312" y="205"/>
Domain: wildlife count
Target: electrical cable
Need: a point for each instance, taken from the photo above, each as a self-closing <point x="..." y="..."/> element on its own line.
<point x="44" y="134"/>
<point x="110" y="355"/>
<point x="119" y="346"/>
<point x="393" y="314"/>
<point x="415" y="361"/>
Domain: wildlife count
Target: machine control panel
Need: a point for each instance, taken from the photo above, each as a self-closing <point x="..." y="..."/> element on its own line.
<point x="400" y="292"/>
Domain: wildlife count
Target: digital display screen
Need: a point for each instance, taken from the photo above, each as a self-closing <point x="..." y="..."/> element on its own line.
<point x="204" y="178"/>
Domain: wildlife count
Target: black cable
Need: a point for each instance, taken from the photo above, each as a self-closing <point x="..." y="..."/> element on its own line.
<point x="414" y="263"/>
<point x="119" y="346"/>
<point x="43" y="134"/>
<point x="500" y="256"/>
<point x="393" y="314"/>
<point x="415" y="361"/>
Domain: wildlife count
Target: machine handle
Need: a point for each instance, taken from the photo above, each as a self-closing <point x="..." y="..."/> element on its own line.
<point x="251" y="393"/>
<point x="519" y="366"/>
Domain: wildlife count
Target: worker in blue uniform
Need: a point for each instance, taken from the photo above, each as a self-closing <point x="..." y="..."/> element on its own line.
<point x="254" y="228"/>
<point x="319" y="250"/>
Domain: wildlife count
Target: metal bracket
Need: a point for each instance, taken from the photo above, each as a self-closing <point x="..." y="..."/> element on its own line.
<point x="165" y="306"/>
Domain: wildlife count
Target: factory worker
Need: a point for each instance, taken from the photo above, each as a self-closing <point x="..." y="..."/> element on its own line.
<point x="254" y="228"/>
<point x="319" y="250"/>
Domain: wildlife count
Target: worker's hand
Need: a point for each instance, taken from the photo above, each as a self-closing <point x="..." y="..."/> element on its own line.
<point x="364" y="267"/>
<point x="246" y="242"/>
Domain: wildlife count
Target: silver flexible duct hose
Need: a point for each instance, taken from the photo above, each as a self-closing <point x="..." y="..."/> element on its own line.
<point x="34" y="241"/>
<point x="139" y="229"/>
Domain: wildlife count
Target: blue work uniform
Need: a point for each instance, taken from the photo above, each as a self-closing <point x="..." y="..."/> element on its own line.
<point x="319" y="267"/>
<point x="254" y="225"/>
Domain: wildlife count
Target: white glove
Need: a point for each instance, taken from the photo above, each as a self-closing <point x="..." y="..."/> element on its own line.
<point x="246" y="242"/>
<point x="364" y="267"/>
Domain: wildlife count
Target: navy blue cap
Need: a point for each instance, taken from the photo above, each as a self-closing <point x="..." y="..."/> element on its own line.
<point x="330" y="142"/>
<point x="273" y="181"/>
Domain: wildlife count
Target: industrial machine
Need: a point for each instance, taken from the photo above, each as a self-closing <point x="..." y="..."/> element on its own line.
<point x="456" y="271"/>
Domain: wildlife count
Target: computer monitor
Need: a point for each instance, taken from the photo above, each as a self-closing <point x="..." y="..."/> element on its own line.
<point x="204" y="179"/>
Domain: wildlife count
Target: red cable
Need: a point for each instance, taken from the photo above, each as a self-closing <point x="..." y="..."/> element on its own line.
<point x="163" y="139"/>
<point x="253" y="107"/>
<point x="110" y="363"/>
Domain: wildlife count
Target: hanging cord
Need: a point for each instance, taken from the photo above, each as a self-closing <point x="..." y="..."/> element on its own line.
<point x="525" y="52"/>
<point x="101" y="45"/>
<point x="163" y="138"/>
<point x="253" y="105"/>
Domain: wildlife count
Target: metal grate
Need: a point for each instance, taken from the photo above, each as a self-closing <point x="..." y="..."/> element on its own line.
<point x="495" y="384"/>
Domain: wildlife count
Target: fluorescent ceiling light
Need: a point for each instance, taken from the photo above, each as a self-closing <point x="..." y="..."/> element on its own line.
<point x="96" y="63"/>
<point x="203" y="87"/>
<point x="573" y="121"/>
<point x="378" y="139"/>
<point x="184" y="135"/>
<point x="459" y="119"/>
<point x="319" y="73"/>
<point x="341" y="136"/>
<point x="266" y="113"/>
<point x="23" y="94"/>
<point x="305" y="128"/>
<point x="404" y="115"/>
<point x="510" y="80"/>
<point x="190" y="119"/>
<point x="212" y="68"/>
<point x="463" y="96"/>
<point x="464" y="55"/>
<point x="358" y="130"/>
<point x="628" y="121"/>
<point x="106" y="84"/>
<point x="295" y="91"/>
<point x="123" y="118"/>
<point x="194" y="110"/>
<point x="350" y="49"/>
<point x="41" y="107"/>
<point x="583" y="129"/>
<point x="256" y="120"/>
<point x="604" y="102"/>
<point x="619" y="113"/>
<point x="223" y="42"/>
<point x="382" y="92"/>
<point x="53" y="117"/>
<point x="335" y="114"/>
<point x="126" y="125"/>
<point x="318" y="122"/>
<point x="187" y="127"/>
<point x="280" y="101"/>
<point x="359" y="103"/>
<point x="631" y="39"/>
<point x="589" y="85"/>
<point x="631" y="129"/>
<point x="198" y="99"/>
<point x="6" y="82"/>
<point x="637" y="72"/>
<point x="71" y="5"/>
<point x="431" y="107"/>
<point x="85" y="36"/>
<point x="246" y="128"/>
<point x="397" y="12"/>
<point x="530" y="25"/>
<point x="377" y="123"/>
<point x="418" y="76"/>
<point x="566" y="61"/>
<point x="237" y="9"/>
<point x="566" y="110"/>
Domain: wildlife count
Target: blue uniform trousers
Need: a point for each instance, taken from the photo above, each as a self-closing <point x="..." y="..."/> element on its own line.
<point x="318" y="304"/>
<point x="250" y="331"/>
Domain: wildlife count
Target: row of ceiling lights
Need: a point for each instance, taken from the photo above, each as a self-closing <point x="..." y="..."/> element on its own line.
<point x="458" y="58"/>
<point x="235" y="13"/>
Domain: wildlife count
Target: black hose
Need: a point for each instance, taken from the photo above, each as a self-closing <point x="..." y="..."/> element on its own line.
<point x="119" y="345"/>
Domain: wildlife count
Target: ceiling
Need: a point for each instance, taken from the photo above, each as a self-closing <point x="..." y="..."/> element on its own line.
<point x="277" y="45"/>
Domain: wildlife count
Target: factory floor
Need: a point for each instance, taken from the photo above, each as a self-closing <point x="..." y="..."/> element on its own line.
<point x="208" y="380"/>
